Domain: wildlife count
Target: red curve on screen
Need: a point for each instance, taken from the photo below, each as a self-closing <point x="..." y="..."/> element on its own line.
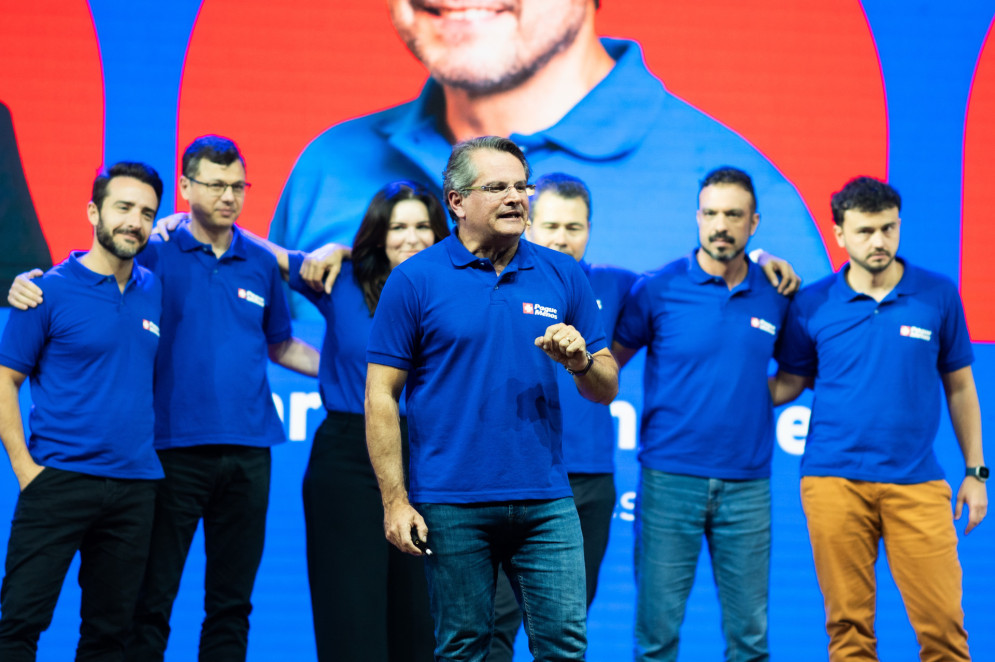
<point x="53" y="85"/>
<point x="977" y="268"/>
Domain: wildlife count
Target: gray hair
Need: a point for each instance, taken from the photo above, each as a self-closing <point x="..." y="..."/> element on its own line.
<point x="460" y="171"/>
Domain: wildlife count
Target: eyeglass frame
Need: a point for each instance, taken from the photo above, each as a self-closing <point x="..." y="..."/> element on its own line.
<point x="211" y="186"/>
<point x="528" y="189"/>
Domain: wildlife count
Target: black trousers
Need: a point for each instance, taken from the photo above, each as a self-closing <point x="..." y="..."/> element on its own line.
<point x="369" y="600"/>
<point x="108" y="520"/>
<point x="228" y="487"/>
<point x="594" y="495"/>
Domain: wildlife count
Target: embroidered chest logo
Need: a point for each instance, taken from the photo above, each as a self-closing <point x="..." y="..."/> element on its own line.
<point x="599" y="304"/>
<point x="540" y="310"/>
<point x="763" y="325"/>
<point x="251" y="297"/>
<point x="915" y="332"/>
<point x="149" y="325"/>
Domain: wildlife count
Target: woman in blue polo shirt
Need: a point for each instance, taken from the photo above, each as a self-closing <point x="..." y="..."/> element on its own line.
<point x="369" y="600"/>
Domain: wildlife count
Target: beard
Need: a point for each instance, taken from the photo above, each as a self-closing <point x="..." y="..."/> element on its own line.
<point x="877" y="267"/>
<point x="481" y="64"/>
<point x="732" y="253"/>
<point x="118" y="248"/>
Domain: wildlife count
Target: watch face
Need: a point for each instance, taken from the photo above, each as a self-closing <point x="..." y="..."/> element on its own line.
<point x="983" y="473"/>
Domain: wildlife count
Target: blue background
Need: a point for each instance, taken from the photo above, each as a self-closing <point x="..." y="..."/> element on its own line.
<point x="928" y="52"/>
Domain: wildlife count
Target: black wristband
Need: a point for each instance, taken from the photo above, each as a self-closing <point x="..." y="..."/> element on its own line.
<point x="587" y="368"/>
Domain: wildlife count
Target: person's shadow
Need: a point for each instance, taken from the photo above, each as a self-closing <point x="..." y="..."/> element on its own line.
<point x="22" y="244"/>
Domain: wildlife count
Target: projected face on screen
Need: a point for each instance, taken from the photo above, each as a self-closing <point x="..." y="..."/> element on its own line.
<point x="487" y="45"/>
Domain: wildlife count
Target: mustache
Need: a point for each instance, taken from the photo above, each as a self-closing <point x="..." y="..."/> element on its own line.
<point x="137" y="234"/>
<point x="722" y="234"/>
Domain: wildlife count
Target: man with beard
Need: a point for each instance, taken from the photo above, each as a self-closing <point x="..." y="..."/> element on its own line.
<point x="710" y="322"/>
<point x="875" y="341"/>
<point x="537" y="72"/>
<point x="86" y="473"/>
<point x="475" y="326"/>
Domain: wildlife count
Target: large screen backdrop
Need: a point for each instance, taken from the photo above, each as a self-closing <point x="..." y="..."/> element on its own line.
<point x="805" y="95"/>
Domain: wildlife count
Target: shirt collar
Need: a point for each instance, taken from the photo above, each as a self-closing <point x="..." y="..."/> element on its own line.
<point x="702" y="277"/>
<point x="462" y="258"/>
<point x="909" y="284"/>
<point x="623" y="108"/>
<point x="188" y="243"/>
<point x="90" y="277"/>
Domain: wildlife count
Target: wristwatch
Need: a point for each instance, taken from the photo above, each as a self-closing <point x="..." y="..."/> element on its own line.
<point x="587" y="368"/>
<point x="981" y="473"/>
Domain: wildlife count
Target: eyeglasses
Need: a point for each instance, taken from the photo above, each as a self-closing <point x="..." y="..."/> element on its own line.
<point x="219" y="188"/>
<point x="502" y="189"/>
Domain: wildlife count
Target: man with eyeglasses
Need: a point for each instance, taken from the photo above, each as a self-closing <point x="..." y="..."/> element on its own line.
<point x="224" y="313"/>
<point x="474" y="326"/>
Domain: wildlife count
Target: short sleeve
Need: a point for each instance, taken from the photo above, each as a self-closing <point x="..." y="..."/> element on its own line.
<point x="585" y="315"/>
<point x="394" y="332"/>
<point x="276" y="318"/>
<point x="24" y="338"/>
<point x="635" y="328"/>
<point x="796" y="351"/>
<point x="955" y="341"/>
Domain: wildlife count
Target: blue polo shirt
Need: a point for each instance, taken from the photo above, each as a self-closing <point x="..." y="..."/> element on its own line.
<point x="707" y="408"/>
<point x="588" y="429"/>
<point x="219" y="317"/>
<point x="89" y="352"/>
<point x="342" y="369"/>
<point x="484" y="419"/>
<point x="627" y="134"/>
<point x="877" y="368"/>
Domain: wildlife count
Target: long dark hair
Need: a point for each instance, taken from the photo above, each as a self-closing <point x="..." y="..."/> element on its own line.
<point x="369" y="259"/>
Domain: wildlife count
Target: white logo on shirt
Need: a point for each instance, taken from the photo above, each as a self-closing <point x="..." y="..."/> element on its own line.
<point x="763" y="325"/>
<point x="599" y="303"/>
<point x="915" y="332"/>
<point x="150" y="326"/>
<point x="251" y="297"/>
<point x="540" y="310"/>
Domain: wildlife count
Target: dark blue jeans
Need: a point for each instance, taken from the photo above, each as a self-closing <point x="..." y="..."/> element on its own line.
<point x="674" y="514"/>
<point x="540" y="547"/>
<point x="108" y="520"/>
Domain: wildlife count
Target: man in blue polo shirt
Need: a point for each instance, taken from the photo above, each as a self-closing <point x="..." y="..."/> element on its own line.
<point x="224" y="314"/>
<point x="540" y="75"/>
<point x="470" y="326"/>
<point x="875" y="341"/>
<point x="710" y="322"/>
<point x="86" y="473"/>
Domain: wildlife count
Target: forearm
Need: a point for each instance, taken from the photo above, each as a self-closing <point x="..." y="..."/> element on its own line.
<point x="965" y="414"/>
<point x="383" y="441"/>
<point x="12" y="429"/>
<point x="600" y="384"/>
<point x="785" y="387"/>
<point x="296" y="355"/>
